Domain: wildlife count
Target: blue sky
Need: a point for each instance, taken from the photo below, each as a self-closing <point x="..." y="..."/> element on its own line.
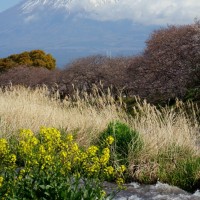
<point x="4" y="4"/>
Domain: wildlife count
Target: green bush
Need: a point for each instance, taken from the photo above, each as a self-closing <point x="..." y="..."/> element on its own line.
<point x="126" y="140"/>
<point x="36" y="58"/>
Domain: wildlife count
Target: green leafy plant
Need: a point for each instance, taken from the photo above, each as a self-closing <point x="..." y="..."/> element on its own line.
<point x="49" y="166"/>
<point x="126" y="140"/>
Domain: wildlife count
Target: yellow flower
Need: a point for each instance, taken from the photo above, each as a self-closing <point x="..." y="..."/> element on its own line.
<point x="35" y="162"/>
<point x="47" y="159"/>
<point x="120" y="181"/>
<point x="77" y="175"/>
<point x="24" y="147"/>
<point x="34" y="141"/>
<point x="3" y="146"/>
<point x="68" y="166"/>
<point x="69" y="137"/>
<point x="1" y="181"/>
<point x="3" y="141"/>
<point x="93" y="169"/>
<point x="20" y="177"/>
<point x="50" y="134"/>
<point x="109" y="170"/>
<point x="83" y="155"/>
<point x="92" y="150"/>
<point x="42" y="167"/>
<point x="62" y="171"/>
<point x="76" y="159"/>
<point x="106" y="151"/>
<point x="63" y="154"/>
<point x="122" y="169"/>
<point x="95" y="159"/>
<point x="22" y="171"/>
<point x="105" y="156"/>
<point x="64" y="145"/>
<point x="110" y="140"/>
<point x="25" y="134"/>
<point x="104" y="159"/>
<point x="42" y="149"/>
<point x="13" y="158"/>
<point x="103" y="193"/>
<point x="74" y="147"/>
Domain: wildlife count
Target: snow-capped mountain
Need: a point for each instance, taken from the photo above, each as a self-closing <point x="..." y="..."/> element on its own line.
<point x="31" y="5"/>
<point x="70" y="29"/>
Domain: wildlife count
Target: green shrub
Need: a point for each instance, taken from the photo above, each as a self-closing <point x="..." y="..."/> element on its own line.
<point x="174" y="165"/>
<point x="185" y="174"/>
<point x="126" y="140"/>
<point x="179" y="167"/>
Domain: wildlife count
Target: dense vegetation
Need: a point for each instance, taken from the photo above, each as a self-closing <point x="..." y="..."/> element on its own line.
<point x="52" y="166"/>
<point x="153" y="143"/>
<point x="36" y="58"/>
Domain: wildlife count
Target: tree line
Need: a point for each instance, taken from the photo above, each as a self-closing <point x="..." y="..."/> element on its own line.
<point x="168" y="68"/>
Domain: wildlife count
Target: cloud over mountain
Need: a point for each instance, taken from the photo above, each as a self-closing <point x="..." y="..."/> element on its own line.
<point x="140" y="11"/>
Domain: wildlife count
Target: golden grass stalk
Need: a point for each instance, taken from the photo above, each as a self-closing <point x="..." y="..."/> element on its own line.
<point x="173" y="131"/>
<point x="30" y="109"/>
<point x="164" y="127"/>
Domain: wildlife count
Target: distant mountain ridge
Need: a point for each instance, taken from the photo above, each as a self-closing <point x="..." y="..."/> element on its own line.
<point x="68" y="30"/>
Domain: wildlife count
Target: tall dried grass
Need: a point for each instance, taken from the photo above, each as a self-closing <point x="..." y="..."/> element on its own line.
<point x="171" y="148"/>
<point x="167" y="126"/>
<point x="30" y="109"/>
<point x="89" y="114"/>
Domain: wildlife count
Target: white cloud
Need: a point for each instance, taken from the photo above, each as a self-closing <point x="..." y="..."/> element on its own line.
<point x="30" y="18"/>
<point x="159" y="12"/>
<point x="143" y="11"/>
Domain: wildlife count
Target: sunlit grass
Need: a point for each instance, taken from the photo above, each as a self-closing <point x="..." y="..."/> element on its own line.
<point x="169" y="135"/>
<point x="31" y="109"/>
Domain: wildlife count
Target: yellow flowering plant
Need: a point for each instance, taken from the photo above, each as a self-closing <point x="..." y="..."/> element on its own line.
<point x="50" y="166"/>
<point x="1" y="181"/>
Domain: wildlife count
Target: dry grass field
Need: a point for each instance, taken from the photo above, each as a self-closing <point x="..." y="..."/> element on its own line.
<point x="170" y="135"/>
<point x="26" y="108"/>
<point x="88" y="115"/>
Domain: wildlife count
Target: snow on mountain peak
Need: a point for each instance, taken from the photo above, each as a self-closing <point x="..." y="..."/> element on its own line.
<point x="31" y="5"/>
<point x="102" y="2"/>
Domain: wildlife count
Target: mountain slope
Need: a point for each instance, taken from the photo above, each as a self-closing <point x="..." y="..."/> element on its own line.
<point x="68" y="30"/>
<point x="31" y="5"/>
